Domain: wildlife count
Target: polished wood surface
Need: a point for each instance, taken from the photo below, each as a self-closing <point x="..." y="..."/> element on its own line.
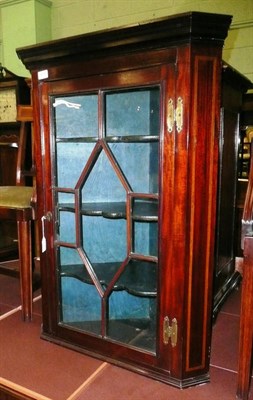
<point x="182" y="55"/>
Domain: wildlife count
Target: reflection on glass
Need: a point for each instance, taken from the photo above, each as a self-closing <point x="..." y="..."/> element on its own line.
<point x="76" y="116"/>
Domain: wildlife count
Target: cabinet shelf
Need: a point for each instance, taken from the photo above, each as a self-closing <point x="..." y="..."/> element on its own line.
<point x="132" y="139"/>
<point x="111" y="139"/>
<point x="139" y="278"/>
<point x="146" y="211"/>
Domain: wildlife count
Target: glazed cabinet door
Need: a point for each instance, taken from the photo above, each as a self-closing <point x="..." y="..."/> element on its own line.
<point x="106" y="196"/>
<point x="104" y="144"/>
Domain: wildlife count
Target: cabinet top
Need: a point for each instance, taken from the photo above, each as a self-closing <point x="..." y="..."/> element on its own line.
<point x="192" y="27"/>
<point x="235" y="78"/>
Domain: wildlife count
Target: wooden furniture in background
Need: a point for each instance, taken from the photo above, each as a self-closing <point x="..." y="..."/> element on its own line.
<point x="246" y="320"/>
<point x="246" y="125"/>
<point x="128" y="121"/>
<point x="14" y="90"/>
<point x="226" y="278"/>
<point x="246" y="136"/>
<point x="18" y="203"/>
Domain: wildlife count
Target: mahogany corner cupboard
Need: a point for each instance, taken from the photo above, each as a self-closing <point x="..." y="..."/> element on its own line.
<point x="127" y="136"/>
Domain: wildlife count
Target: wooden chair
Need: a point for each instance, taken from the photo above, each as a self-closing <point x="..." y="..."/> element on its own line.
<point x="246" y="317"/>
<point x="18" y="203"/>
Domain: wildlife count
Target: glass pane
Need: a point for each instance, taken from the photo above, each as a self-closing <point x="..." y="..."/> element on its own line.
<point x="80" y="301"/>
<point x="144" y="209"/>
<point x="70" y="161"/>
<point x="145" y="238"/>
<point x="65" y="199"/>
<point x="132" y="310"/>
<point x="132" y="112"/>
<point x="81" y="305"/>
<point x="139" y="164"/>
<point x="104" y="240"/>
<point x="103" y="184"/>
<point x="76" y="116"/>
<point x="66" y="221"/>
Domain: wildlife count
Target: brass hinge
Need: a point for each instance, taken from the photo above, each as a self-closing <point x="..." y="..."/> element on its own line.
<point x="170" y="331"/>
<point x="179" y="114"/>
<point x="175" y="115"/>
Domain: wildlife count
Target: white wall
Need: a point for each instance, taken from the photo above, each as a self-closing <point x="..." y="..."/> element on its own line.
<point x="71" y="17"/>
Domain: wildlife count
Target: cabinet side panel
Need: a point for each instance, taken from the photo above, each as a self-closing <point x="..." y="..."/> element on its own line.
<point x="188" y="205"/>
<point x="203" y="145"/>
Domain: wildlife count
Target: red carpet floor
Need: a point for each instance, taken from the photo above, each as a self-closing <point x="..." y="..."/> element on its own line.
<point x="32" y="368"/>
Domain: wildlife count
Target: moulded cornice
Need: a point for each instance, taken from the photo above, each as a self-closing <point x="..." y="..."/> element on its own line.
<point x="192" y="27"/>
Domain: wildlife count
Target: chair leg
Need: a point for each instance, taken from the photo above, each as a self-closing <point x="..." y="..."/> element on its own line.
<point x="246" y="323"/>
<point x="25" y="257"/>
